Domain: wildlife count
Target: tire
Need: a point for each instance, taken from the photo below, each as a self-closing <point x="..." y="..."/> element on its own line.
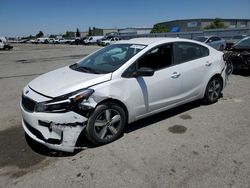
<point x="213" y="90"/>
<point x="106" y="123"/>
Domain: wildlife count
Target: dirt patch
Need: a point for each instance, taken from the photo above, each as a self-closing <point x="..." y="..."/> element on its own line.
<point x="185" y="116"/>
<point x="22" y="61"/>
<point x="177" y="129"/>
<point x="38" y="60"/>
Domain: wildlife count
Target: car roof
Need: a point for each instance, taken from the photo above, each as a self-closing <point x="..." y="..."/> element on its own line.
<point x="148" y="41"/>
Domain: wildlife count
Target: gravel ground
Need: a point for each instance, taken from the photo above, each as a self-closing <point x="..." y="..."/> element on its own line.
<point x="190" y="146"/>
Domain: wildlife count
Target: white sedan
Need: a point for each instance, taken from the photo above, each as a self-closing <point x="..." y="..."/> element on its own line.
<point x="117" y="85"/>
<point x="214" y="41"/>
<point x="109" y="41"/>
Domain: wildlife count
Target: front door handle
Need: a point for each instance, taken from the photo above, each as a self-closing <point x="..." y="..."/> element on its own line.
<point x="175" y="75"/>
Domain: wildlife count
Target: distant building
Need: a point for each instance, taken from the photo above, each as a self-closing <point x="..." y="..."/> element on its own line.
<point x="102" y="32"/>
<point x="83" y="34"/>
<point x="134" y="31"/>
<point x="200" y="24"/>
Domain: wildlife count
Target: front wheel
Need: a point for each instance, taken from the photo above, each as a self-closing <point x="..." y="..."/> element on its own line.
<point x="106" y="123"/>
<point x="213" y="90"/>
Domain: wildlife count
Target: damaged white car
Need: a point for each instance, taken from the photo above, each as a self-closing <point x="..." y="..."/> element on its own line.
<point x="117" y="85"/>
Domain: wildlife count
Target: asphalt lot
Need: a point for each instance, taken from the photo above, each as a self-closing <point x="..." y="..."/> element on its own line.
<point x="190" y="146"/>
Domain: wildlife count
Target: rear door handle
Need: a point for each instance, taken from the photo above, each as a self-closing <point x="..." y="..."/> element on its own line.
<point x="175" y="75"/>
<point x="208" y="64"/>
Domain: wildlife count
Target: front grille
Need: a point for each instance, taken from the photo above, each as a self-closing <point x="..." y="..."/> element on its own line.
<point x="34" y="131"/>
<point x="39" y="135"/>
<point x="28" y="104"/>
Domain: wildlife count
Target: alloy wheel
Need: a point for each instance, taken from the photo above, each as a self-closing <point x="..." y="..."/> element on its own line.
<point x="107" y="124"/>
<point x="214" y="90"/>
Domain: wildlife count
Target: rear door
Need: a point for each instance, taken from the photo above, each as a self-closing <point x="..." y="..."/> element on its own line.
<point x="193" y="59"/>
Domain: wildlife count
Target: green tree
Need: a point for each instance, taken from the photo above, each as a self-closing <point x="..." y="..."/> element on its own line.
<point x="78" y="33"/>
<point x="159" y="28"/>
<point x="216" y="24"/>
<point x="52" y="36"/>
<point x="90" y="31"/>
<point x="66" y="35"/>
<point x="39" y="34"/>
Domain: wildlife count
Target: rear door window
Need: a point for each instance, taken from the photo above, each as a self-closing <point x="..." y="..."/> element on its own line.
<point x="187" y="51"/>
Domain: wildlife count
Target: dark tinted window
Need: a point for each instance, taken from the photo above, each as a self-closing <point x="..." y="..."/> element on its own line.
<point x="243" y="44"/>
<point x="186" y="51"/>
<point x="200" y="39"/>
<point x="157" y="58"/>
<point x="214" y="39"/>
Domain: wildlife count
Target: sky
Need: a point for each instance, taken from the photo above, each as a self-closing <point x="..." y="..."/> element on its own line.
<point x="28" y="17"/>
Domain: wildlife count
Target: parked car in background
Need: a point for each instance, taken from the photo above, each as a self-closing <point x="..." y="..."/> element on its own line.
<point x="42" y="40"/>
<point x="77" y="41"/>
<point x="62" y="41"/>
<point x="32" y="41"/>
<point x="92" y="40"/>
<point x="116" y="85"/>
<point x="51" y="40"/>
<point x="239" y="54"/>
<point x="4" y="44"/>
<point x="234" y="40"/>
<point x="109" y="41"/>
<point x="214" y="41"/>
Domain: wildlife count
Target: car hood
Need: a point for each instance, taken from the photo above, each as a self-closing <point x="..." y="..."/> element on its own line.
<point x="65" y="80"/>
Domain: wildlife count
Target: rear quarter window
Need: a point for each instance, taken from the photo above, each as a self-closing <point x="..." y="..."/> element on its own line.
<point x="187" y="51"/>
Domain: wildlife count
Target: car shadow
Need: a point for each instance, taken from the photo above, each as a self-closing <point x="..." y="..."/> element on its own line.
<point x="161" y="116"/>
<point x="43" y="150"/>
<point x="83" y="143"/>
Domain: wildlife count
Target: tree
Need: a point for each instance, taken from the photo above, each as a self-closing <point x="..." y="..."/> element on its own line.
<point x="78" y="33"/>
<point x="159" y="28"/>
<point x="39" y="34"/>
<point x="66" y="35"/>
<point x="90" y="32"/>
<point x="216" y="24"/>
<point x="52" y="36"/>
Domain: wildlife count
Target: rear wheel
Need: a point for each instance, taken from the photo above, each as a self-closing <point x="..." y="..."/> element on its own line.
<point x="106" y="123"/>
<point x="213" y="90"/>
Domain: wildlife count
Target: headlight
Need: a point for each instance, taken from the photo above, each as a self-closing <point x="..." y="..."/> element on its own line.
<point x="65" y="102"/>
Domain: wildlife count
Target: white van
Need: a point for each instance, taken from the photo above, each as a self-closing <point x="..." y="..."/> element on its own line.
<point x="92" y="39"/>
<point x="4" y="44"/>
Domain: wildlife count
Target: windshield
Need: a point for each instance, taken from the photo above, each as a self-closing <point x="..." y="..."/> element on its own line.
<point x="200" y="39"/>
<point x="108" y="59"/>
<point x="243" y="44"/>
<point x="238" y="37"/>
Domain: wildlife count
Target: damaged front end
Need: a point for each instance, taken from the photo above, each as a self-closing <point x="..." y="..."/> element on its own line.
<point x="240" y="59"/>
<point x="58" y="122"/>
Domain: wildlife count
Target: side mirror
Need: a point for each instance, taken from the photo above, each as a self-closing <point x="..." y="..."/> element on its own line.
<point x="144" y="71"/>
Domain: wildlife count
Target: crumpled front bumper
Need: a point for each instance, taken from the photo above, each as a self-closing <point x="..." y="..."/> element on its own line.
<point x="59" y="131"/>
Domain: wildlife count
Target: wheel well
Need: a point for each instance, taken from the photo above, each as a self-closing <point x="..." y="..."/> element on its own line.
<point x="214" y="76"/>
<point x="121" y="104"/>
<point x="217" y="76"/>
